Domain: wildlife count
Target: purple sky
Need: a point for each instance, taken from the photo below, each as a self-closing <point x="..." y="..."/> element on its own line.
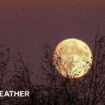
<point x="25" y="25"/>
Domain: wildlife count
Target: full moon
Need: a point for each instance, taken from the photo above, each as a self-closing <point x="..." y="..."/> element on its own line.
<point x="72" y="58"/>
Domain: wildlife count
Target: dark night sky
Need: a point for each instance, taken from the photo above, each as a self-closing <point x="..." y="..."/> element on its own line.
<point x="26" y="24"/>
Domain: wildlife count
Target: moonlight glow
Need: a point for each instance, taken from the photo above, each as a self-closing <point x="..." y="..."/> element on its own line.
<point x="72" y="58"/>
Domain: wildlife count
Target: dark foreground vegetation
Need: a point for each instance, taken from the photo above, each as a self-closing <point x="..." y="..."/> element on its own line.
<point x="88" y="90"/>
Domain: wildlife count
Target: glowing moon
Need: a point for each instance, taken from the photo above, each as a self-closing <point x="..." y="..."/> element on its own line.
<point x="72" y="58"/>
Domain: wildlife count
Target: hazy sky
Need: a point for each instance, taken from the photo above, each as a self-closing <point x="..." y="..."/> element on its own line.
<point x="26" y="24"/>
<point x="43" y="3"/>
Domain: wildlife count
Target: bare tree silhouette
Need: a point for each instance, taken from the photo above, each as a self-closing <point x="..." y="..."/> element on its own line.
<point x="15" y="74"/>
<point x="88" y="90"/>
